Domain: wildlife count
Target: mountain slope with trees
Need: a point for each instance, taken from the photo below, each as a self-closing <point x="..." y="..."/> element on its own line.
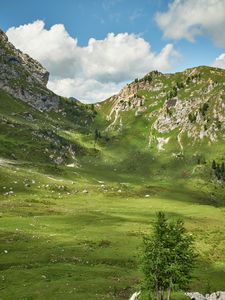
<point x="80" y="184"/>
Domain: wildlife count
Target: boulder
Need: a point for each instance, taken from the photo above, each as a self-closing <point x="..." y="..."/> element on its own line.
<point x="214" y="296"/>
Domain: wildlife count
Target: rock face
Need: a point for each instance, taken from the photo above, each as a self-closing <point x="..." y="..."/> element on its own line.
<point x="129" y="99"/>
<point x="191" y="104"/>
<point x="24" y="78"/>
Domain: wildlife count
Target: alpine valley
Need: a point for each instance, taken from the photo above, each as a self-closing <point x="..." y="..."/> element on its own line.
<point x="80" y="184"/>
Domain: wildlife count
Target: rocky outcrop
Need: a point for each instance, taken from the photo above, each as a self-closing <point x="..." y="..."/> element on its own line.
<point x="24" y="78"/>
<point x="130" y="99"/>
<point x="189" y="117"/>
<point x="189" y="103"/>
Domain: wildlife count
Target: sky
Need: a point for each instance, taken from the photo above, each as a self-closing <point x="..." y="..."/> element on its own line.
<point x="92" y="48"/>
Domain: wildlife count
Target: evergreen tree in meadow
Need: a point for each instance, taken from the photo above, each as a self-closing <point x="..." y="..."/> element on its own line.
<point x="168" y="258"/>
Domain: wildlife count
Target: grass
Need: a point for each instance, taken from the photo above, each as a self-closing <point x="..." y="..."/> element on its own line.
<point x="77" y="232"/>
<point x="57" y="241"/>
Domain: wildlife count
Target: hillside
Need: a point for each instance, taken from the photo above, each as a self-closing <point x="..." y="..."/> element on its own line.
<point x="167" y="126"/>
<point x="190" y="103"/>
<point x="80" y="184"/>
<point x="31" y="114"/>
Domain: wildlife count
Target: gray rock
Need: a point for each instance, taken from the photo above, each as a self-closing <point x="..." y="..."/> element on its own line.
<point x="195" y="296"/>
<point x="214" y="296"/>
<point x="24" y="78"/>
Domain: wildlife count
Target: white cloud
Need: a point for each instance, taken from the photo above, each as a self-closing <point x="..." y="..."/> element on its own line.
<point x="190" y="18"/>
<point x="93" y="72"/>
<point x="87" y="90"/>
<point x="220" y="61"/>
<point x="54" y="48"/>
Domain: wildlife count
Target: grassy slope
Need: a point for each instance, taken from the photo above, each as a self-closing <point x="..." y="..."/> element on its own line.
<point x="58" y="241"/>
<point x="192" y="169"/>
<point x="22" y="128"/>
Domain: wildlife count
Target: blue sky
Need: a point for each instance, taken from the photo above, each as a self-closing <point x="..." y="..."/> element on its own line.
<point x="157" y="22"/>
<point x="85" y="18"/>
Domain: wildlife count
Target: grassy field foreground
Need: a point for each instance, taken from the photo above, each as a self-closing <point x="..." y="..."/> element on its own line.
<point x="76" y="237"/>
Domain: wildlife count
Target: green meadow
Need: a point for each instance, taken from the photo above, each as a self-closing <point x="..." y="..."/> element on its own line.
<point x="74" y="229"/>
<point x="79" y="236"/>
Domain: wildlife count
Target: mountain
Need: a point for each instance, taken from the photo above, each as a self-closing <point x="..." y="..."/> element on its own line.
<point x="190" y="104"/>
<point x="80" y="184"/>
<point x="161" y="125"/>
<point x="171" y="127"/>
<point x="31" y="114"/>
<point x="24" y="78"/>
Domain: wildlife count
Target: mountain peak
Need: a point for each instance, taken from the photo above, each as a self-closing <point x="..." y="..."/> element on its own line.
<point x="189" y="102"/>
<point x="23" y="77"/>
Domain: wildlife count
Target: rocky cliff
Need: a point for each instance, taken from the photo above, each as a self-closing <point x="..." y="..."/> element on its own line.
<point x="190" y="103"/>
<point x="24" y="78"/>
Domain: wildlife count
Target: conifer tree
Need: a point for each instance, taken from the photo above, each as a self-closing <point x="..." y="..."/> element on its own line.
<point x="168" y="257"/>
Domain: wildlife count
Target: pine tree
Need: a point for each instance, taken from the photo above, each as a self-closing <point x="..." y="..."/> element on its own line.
<point x="154" y="258"/>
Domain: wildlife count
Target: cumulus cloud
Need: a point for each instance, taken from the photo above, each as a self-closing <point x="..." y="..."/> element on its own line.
<point x="189" y="18"/>
<point x="94" y="72"/>
<point x="220" y="61"/>
<point x="90" y="90"/>
<point x="54" y="48"/>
